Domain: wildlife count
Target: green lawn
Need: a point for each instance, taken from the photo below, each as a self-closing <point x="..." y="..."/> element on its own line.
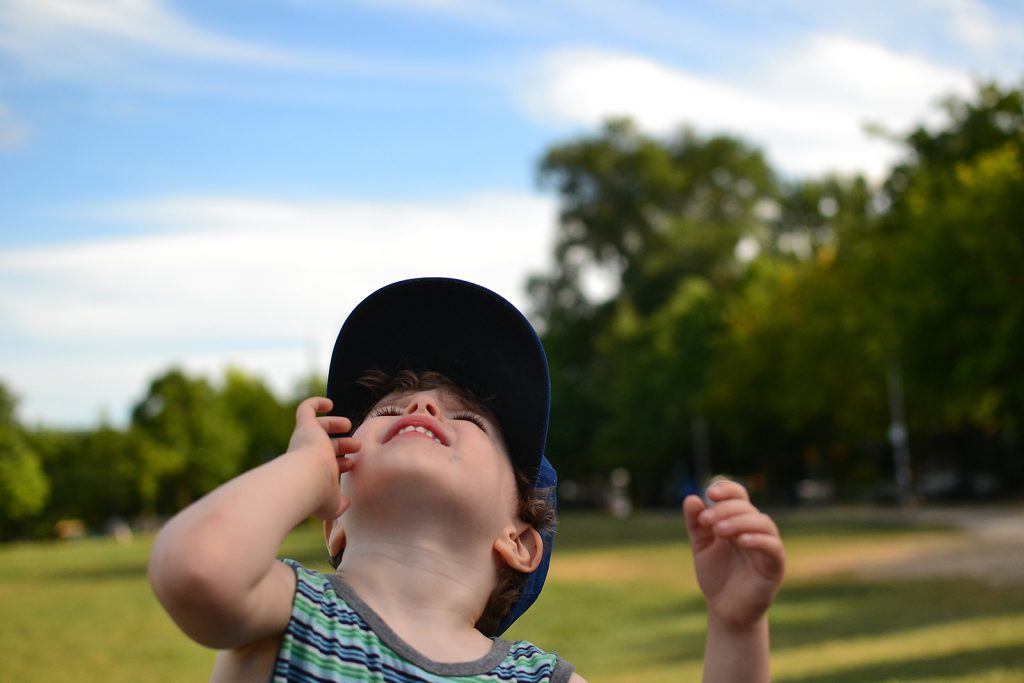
<point x="621" y="603"/>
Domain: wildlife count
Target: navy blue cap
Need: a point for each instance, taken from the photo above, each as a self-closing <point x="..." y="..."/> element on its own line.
<point x="477" y="339"/>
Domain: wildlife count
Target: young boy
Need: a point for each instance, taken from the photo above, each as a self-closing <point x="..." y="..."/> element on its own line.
<point x="441" y="524"/>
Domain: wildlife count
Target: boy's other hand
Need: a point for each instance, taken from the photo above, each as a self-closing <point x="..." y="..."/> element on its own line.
<point x="738" y="554"/>
<point x="313" y="433"/>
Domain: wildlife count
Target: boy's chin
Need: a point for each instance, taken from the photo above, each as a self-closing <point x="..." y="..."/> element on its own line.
<point x="431" y="467"/>
<point x="412" y="497"/>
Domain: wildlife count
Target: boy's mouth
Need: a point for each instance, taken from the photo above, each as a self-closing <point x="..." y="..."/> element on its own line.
<point x="417" y="425"/>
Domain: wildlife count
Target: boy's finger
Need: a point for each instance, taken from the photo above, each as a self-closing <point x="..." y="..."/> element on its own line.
<point x="345" y="445"/>
<point x="725" y="489"/>
<point x="313" y="405"/>
<point x="335" y="424"/>
<point x="724" y="509"/>
<point x="692" y="508"/>
<point x="750" y="523"/>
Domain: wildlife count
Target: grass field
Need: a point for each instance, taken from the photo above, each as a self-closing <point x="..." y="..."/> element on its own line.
<point x="621" y="603"/>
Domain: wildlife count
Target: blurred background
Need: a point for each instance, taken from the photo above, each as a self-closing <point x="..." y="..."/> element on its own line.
<point x="777" y="240"/>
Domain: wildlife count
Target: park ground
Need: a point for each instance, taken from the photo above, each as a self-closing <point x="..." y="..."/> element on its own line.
<point x="988" y="546"/>
<point x="926" y="595"/>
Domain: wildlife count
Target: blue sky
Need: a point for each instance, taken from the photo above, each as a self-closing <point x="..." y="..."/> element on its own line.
<point x="212" y="183"/>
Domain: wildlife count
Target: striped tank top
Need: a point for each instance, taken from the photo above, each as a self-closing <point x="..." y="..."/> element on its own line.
<point x="334" y="636"/>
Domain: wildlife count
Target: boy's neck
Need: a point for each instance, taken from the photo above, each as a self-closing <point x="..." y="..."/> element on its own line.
<point x="428" y="595"/>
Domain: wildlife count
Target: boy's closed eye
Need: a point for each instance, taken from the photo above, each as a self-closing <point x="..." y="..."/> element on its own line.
<point x="393" y="410"/>
<point x="387" y="409"/>
<point x="478" y="420"/>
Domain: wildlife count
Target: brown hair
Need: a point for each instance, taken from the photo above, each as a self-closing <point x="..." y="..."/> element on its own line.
<point x="535" y="506"/>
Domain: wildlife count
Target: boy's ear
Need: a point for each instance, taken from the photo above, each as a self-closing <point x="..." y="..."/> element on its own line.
<point x="520" y="547"/>
<point x="334" y="536"/>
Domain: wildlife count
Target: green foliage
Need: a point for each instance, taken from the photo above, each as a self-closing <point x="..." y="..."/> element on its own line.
<point x="993" y="119"/>
<point x="962" y="252"/>
<point x="266" y="422"/>
<point x="24" y="486"/>
<point x="7" y="405"/>
<point x="187" y="417"/>
<point x="104" y="473"/>
<point x="664" y="218"/>
<point x="655" y="212"/>
<point x="777" y="310"/>
<point x="652" y="371"/>
<point x="187" y="436"/>
<point x="948" y="255"/>
<point x="783" y="390"/>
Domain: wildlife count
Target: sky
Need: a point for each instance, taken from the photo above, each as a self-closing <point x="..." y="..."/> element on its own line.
<point x="205" y="183"/>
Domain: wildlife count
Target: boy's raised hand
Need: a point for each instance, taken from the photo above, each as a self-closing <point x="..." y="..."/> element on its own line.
<point x="312" y="432"/>
<point x="738" y="554"/>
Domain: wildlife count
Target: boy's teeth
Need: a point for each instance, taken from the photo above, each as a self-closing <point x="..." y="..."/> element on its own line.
<point x="421" y="429"/>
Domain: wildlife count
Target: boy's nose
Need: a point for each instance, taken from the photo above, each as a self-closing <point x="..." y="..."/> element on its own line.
<point x="423" y="403"/>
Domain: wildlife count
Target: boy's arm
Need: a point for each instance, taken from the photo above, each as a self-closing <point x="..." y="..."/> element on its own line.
<point x="740" y="562"/>
<point x="214" y="567"/>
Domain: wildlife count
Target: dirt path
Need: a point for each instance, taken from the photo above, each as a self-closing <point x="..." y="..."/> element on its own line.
<point x="990" y="549"/>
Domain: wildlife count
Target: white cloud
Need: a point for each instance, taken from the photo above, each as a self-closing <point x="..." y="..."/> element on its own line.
<point x="237" y="279"/>
<point x="145" y="45"/>
<point x="40" y="31"/>
<point x="76" y="38"/>
<point x="807" y="107"/>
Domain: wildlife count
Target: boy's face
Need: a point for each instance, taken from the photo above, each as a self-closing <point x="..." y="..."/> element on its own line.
<point x="430" y="450"/>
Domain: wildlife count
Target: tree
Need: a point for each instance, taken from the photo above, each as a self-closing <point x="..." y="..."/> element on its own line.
<point x="946" y="270"/>
<point x="191" y="438"/>
<point x="785" y="312"/>
<point x="24" y="487"/>
<point x="267" y="422"/>
<point x="651" y="375"/>
<point x="652" y="211"/>
<point x="798" y="376"/>
<point x="663" y="219"/>
<point x="102" y="473"/>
